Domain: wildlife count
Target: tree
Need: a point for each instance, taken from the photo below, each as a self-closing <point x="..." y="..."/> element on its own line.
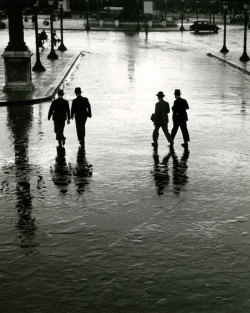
<point x="130" y="9"/>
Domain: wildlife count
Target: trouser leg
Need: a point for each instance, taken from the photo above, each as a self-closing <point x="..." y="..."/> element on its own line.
<point x="59" y="129"/>
<point x="156" y="133"/>
<point x="165" y="130"/>
<point x="80" y="129"/>
<point x="184" y="131"/>
<point x="174" y="130"/>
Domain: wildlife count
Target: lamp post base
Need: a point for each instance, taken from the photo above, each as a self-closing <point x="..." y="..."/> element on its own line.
<point x="244" y="57"/>
<point x="224" y="49"/>
<point x="87" y="28"/>
<point x="62" y="47"/>
<point x="38" y="67"/>
<point x="182" y="28"/>
<point x="52" y="56"/>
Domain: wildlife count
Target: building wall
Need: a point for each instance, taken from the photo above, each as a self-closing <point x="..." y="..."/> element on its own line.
<point x="148" y="7"/>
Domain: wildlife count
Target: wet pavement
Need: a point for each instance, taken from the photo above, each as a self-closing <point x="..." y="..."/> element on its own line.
<point x="118" y="227"/>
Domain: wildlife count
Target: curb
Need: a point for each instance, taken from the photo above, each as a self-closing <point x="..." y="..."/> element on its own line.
<point x="228" y="63"/>
<point x="45" y="98"/>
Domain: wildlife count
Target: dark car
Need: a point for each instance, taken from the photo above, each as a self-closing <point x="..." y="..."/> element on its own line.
<point x="237" y="19"/>
<point x="200" y="25"/>
<point x="2" y="25"/>
<point x="65" y="14"/>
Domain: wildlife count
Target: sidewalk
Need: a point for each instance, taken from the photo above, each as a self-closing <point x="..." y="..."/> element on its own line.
<point x="45" y="83"/>
<point x="232" y="59"/>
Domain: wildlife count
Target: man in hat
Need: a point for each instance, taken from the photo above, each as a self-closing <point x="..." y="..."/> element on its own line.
<point x="160" y="119"/>
<point x="180" y="117"/>
<point x="60" y="111"/>
<point x="81" y="110"/>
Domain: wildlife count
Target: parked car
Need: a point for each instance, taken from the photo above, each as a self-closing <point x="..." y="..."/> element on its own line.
<point x="2" y="25"/>
<point x="65" y="14"/>
<point x="237" y="19"/>
<point x="202" y="25"/>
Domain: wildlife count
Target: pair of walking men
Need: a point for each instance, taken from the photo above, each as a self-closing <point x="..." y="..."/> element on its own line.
<point x="160" y="119"/>
<point x="60" y="112"/>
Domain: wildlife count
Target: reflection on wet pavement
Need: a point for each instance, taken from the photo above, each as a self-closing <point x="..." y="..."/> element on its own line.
<point x="60" y="174"/>
<point x="82" y="170"/>
<point x="179" y="171"/>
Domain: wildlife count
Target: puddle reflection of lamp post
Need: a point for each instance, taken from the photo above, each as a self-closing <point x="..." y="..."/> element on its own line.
<point x="182" y="15"/>
<point x="52" y="55"/>
<point x="197" y="10"/>
<point x="87" y="24"/>
<point x="38" y="67"/>
<point x="62" y="46"/>
<point x="224" y="48"/>
<point x="138" y="16"/>
<point x="166" y="3"/>
<point x="244" y="56"/>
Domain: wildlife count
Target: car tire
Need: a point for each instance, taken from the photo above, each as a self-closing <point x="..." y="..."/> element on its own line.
<point x="196" y="30"/>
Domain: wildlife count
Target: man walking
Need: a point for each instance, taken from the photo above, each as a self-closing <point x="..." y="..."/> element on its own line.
<point x="180" y="117"/>
<point x="59" y="109"/>
<point x="161" y="119"/>
<point x="81" y="110"/>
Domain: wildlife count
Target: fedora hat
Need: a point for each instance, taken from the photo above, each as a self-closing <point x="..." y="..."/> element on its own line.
<point x="60" y="92"/>
<point x="160" y="94"/>
<point x="177" y="92"/>
<point x="78" y="90"/>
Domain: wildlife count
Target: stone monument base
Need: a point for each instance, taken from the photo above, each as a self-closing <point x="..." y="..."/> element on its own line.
<point x="17" y="71"/>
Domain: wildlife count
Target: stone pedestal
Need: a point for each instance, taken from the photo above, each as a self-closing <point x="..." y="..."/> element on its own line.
<point x="17" y="71"/>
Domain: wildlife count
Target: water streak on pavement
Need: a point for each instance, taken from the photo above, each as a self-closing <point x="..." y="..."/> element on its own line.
<point x="117" y="227"/>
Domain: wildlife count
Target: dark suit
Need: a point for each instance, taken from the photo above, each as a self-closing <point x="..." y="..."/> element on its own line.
<point x="180" y="118"/>
<point x="81" y="110"/>
<point x="59" y="109"/>
<point x="161" y="120"/>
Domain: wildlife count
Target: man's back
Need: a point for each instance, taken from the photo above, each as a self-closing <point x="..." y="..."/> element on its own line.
<point x="179" y="108"/>
<point x="59" y="109"/>
<point x="80" y="106"/>
<point x="161" y="111"/>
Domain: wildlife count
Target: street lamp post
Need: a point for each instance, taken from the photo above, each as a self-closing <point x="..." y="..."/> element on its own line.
<point x="210" y="15"/>
<point x="138" y="16"/>
<point x="166" y="3"/>
<point x="52" y="55"/>
<point x="182" y="15"/>
<point x="197" y="10"/>
<point x="213" y="11"/>
<point x="87" y="24"/>
<point x="224" y="48"/>
<point x="244" y="56"/>
<point x="62" y="46"/>
<point x="38" y="67"/>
